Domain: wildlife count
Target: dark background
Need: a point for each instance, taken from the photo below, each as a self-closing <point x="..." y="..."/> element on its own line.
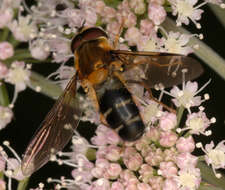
<point x="31" y="107"/>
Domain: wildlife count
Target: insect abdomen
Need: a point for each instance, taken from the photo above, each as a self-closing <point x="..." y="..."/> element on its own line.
<point x="121" y="113"/>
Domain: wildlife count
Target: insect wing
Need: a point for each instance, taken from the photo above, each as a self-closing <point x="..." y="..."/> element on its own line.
<point x="54" y="132"/>
<point x="165" y="68"/>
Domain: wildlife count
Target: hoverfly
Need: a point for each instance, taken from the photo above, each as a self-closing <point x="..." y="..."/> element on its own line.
<point x="101" y="70"/>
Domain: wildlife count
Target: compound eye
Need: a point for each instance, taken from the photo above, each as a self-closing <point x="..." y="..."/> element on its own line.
<point x="77" y="40"/>
<point x="87" y="35"/>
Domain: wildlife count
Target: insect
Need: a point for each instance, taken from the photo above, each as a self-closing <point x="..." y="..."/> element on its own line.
<point x="103" y="74"/>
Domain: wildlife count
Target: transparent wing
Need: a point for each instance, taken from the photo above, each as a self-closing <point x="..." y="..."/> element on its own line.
<point x="55" y="131"/>
<point x="165" y="68"/>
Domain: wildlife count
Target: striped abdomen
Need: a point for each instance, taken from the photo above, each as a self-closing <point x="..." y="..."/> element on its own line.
<point x="121" y="113"/>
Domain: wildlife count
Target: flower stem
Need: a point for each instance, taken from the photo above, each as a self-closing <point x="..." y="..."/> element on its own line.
<point x="180" y="112"/>
<point x="204" y="52"/>
<point x="208" y="187"/>
<point x="4" y="34"/>
<point x="20" y="54"/>
<point x="91" y="154"/>
<point x="1" y="175"/>
<point x="208" y="176"/>
<point x="23" y="184"/>
<point x="4" y="98"/>
<point x="219" y="12"/>
<point x="47" y="87"/>
<point x="13" y="41"/>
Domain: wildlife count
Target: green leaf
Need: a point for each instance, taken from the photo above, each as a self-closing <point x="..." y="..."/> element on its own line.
<point x="208" y="176"/>
<point x="4" y="98"/>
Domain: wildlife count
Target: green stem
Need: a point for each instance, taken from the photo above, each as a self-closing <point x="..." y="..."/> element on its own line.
<point x="208" y="176"/>
<point x="22" y="53"/>
<point x="13" y="41"/>
<point x="4" y="34"/>
<point x="1" y="175"/>
<point x="180" y="112"/>
<point x="204" y="52"/>
<point x="19" y="54"/>
<point x="219" y="12"/>
<point x="208" y="187"/>
<point x="23" y="184"/>
<point x="32" y="60"/>
<point x="47" y="87"/>
<point x="4" y="98"/>
<point x="91" y="154"/>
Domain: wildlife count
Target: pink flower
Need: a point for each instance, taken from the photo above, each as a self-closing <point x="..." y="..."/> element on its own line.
<point x="168" y="169"/>
<point x="108" y="14"/>
<point x="176" y="42"/>
<point x="185" y="144"/>
<point x="186" y="97"/>
<point x="113" y="153"/>
<point x="75" y="17"/>
<point x="82" y="176"/>
<point x="113" y="29"/>
<point x="102" y="163"/>
<point x="170" y="184"/>
<point x="6" y="16"/>
<point x="154" y="158"/>
<point x="143" y="186"/>
<point x="90" y="17"/>
<point x="131" y="187"/>
<point x="133" y="162"/>
<point x="101" y="166"/>
<point x="128" y="177"/>
<point x="6" y="116"/>
<point x="100" y="139"/>
<point x="189" y="178"/>
<point x="117" y="186"/>
<point x="97" y="172"/>
<point x="215" y="156"/>
<point x="186" y="160"/>
<point x="114" y="170"/>
<point x="38" y="49"/>
<point x="168" y="138"/>
<point x="18" y="75"/>
<point x="156" y="182"/>
<point x="146" y="27"/>
<point x="6" y="50"/>
<point x="132" y="35"/>
<point x="129" y="152"/>
<point x="112" y="137"/>
<point x="170" y="154"/>
<point x="185" y="10"/>
<point x="197" y="123"/>
<point x="2" y="164"/>
<point x="99" y="7"/>
<point x="3" y="70"/>
<point x="146" y="172"/>
<point x="14" y="165"/>
<point x="168" y="121"/>
<point x="153" y="134"/>
<point x="156" y="13"/>
<point x="2" y="184"/>
<point x="100" y="184"/>
<point x="24" y="28"/>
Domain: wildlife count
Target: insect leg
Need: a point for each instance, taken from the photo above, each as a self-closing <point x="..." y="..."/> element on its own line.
<point x="89" y="89"/>
<point x="117" y="37"/>
<point x="153" y="98"/>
